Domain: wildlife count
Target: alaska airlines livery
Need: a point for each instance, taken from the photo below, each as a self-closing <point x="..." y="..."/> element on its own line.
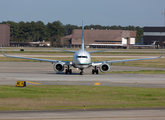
<point x="81" y="60"/>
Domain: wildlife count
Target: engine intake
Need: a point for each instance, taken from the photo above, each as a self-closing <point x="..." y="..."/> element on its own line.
<point x="104" y="67"/>
<point x="58" y="67"/>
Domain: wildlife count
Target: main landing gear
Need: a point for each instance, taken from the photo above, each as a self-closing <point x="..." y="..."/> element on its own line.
<point x="68" y="70"/>
<point x="95" y="70"/>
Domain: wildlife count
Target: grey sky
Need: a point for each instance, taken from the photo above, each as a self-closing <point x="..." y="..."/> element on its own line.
<point x="102" y="12"/>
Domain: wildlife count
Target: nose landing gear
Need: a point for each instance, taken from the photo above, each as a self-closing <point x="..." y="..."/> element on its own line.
<point x="81" y="73"/>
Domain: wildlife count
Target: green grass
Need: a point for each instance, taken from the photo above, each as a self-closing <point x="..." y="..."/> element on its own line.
<point x="75" y="97"/>
<point x="141" y="72"/>
<point x="155" y="63"/>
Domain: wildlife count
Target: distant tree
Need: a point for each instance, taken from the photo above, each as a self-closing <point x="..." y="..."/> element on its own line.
<point x="114" y="27"/>
<point x="139" y="34"/>
<point x="13" y="30"/>
<point x="69" y="28"/>
<point x="55" y="29"/>
<point x="38" y="31"/>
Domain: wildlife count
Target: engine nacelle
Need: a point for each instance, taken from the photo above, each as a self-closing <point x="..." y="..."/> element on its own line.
<point x="104" y="67"/>
<point x="58" y="67"/>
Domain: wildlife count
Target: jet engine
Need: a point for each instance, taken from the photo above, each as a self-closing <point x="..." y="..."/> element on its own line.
<point x="104" y="67"/>
<point x="58" y="67"/>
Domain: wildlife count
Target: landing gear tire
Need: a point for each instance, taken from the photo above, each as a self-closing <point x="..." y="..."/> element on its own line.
<point x="66" y="71"/>
<point x="81" y="73"/>
<point x="95" y="70"/>
<point x="70" y="71"/>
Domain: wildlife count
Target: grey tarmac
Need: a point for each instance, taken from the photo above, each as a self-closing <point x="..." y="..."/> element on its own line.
<point x="114" y="114"/>
<point x="36" y="73"/>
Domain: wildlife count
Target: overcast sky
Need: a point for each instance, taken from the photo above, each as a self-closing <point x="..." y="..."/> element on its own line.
<point x="97" y="12"/>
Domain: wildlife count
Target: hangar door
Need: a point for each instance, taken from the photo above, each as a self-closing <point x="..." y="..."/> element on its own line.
<point x="132" y="40"/>
<point x="124" y="40"/>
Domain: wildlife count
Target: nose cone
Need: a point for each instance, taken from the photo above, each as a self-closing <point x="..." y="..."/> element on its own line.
<point x="81" y="57"/>
<point x="81" y="61"/>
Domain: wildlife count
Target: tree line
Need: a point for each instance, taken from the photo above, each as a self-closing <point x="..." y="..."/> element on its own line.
<point x="38" y="31"/>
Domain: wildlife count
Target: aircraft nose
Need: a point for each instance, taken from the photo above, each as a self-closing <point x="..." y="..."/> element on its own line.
<point x="81" y="61"/>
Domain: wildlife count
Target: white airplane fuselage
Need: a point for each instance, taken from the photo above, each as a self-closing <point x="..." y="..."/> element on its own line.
<point x="81" y="59"/>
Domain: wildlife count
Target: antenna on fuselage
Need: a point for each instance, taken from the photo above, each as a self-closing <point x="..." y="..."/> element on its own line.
<point x="82" y="39"/>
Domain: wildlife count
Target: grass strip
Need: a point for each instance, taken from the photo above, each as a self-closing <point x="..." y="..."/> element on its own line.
<point x="43" y="97"/>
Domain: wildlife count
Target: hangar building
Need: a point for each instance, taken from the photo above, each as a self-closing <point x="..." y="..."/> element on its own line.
<point x="151" y="34"/>
<point x="5" y="34"/>
<point x="101" y="38"/>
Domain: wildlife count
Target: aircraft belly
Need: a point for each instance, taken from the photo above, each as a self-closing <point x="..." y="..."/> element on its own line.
<point x="82" y="66"/>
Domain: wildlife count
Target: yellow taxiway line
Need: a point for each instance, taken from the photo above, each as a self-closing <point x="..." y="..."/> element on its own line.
<point x="32" y="82"/>
<point x="97" y="83"/>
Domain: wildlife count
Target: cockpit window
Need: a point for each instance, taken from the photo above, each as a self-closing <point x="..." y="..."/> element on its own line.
<point x="82" y="57"/>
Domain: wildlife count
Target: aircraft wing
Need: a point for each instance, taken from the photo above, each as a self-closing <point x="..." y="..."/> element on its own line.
<point x="46" y="60"/>
<point x="116" y="61"/>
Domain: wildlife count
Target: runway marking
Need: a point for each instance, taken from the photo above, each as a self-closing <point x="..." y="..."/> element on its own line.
<point x="33" y="82"/>
<point x="97" y="83"/>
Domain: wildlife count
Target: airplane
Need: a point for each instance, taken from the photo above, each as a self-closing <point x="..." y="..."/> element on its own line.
<point x="152" y="45"/>
<point x="124" y="45"/>
<point x="82" y="60"/>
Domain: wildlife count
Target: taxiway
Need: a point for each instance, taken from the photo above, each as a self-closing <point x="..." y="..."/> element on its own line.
<point x="111" y="114"/>
<point x="36" y="73"/>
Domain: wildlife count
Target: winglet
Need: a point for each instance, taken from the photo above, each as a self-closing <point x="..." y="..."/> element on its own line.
<point x="162" y="52"/>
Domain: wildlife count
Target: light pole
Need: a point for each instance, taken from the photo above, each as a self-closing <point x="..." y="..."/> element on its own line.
<point x="164" y="16"/>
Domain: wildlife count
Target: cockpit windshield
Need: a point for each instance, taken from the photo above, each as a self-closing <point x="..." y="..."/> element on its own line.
<point x="82" y="57"/>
